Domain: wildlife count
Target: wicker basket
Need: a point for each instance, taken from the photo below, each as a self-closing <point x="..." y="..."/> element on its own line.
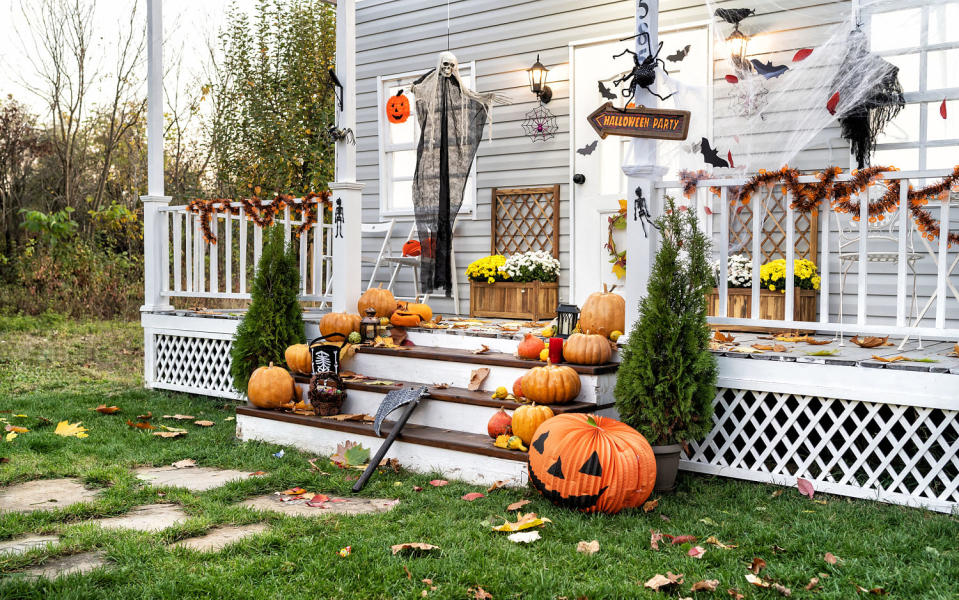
<point x="327" y="393"/>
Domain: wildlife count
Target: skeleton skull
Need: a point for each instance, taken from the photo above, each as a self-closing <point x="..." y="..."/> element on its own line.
<point x="448" y="63"/>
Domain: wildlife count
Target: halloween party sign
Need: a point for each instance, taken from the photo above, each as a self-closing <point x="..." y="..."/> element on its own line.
<point x="640" y="122"/>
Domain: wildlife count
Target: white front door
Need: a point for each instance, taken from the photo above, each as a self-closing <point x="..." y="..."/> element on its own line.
<point x="598" y="198"/>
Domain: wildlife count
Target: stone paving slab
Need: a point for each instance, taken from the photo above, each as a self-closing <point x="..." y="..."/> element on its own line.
<point x="44" y="494"/>
<point x="65" y="565"/>
<point x="221" y="537"/>
<point x="152" y="518"/>
<point x="299" y="508"/>
<point x="23" y="545"/>
<point x="195" y="479"/>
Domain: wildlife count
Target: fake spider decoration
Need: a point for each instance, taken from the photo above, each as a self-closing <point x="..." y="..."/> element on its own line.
<point x="540" y="124"/>
<point x="643" y="74"/>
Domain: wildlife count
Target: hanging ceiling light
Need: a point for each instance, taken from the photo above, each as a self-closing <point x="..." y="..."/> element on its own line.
<point x="537" y="81"/>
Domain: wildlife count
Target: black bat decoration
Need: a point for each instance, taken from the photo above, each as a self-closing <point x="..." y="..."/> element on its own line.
<point x="711" y="156"/>
<point x="604" y="91"/>
<point x="768" y="70"/>
<point x="679" y="55"/>
<point x="734" y="15"/>
<point x="588" y="148"/>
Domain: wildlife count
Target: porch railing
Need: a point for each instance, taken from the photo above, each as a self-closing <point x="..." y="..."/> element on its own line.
<point x="715" y="212"/>
<point x="195" y="268"/>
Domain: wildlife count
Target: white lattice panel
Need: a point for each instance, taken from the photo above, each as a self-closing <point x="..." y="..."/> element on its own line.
<point x="200" y="365"/>
<point x="902" y="454"/>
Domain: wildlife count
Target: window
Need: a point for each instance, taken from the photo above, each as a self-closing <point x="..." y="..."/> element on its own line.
<point x="397" y="147"/>
<point x="921" y="39"/>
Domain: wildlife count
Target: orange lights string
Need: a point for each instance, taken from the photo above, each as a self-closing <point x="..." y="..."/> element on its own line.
<point x="261" y="212"/>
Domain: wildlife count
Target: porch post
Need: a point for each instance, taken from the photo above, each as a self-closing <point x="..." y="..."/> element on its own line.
<point x="153" y="258"/>
<point x="643" y="173"/>
<point x="347" y="193"/>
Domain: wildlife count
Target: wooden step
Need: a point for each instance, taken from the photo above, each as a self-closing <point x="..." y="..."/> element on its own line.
<point x="422" y="435"/>
<point x="492" y="359"/>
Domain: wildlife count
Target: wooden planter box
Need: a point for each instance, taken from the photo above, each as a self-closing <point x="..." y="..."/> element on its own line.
<point x="772" y="306"/>
<point x="508" y="299"/>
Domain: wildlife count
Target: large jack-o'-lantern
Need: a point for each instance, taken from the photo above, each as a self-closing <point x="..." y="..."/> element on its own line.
<point x="591" y="463"/>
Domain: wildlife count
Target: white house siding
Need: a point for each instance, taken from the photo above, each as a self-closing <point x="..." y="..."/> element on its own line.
<point x="503" y="37"/>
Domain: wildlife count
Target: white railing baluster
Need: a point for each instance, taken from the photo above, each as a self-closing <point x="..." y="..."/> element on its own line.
<point x="165" y="250"/>
<point x="724" y="214"/>
<point x="789" y="312"/>
<point x="190" y="248"/>
<point x="257" y="246"/>
<point x="214" y="253"/>
<point x="228" y="255"/>
<point x="757" y="251"/>
<point x="943" y="264"/>
<point x="286" y="225"/>
<point x="317" y="256"/>
<point x="177" y="257"/>
<point x="863" y="257"/>
<point x="242" y="249"/>
<point x="824" y="269"/>
<point x="200" y="256"/>
<point x="328" y="258"/>
<point x="304" y="258"/>
<point x="901" y="265"/>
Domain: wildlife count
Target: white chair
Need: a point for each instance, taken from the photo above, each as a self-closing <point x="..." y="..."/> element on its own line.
<point x="886" y="232"/>
<point x="386" y="230"/>
<point x="399" y="261"/>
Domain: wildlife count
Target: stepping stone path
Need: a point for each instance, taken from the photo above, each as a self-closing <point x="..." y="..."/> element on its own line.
<point x="25" y="544"/>
<point x="152" y="518"/>
<point x="299" y="508"/>
<point x="65" y="565"/>
<point x="195" y="479"/>
<point x="44" y="494"/>
<point x="221" y="537"/>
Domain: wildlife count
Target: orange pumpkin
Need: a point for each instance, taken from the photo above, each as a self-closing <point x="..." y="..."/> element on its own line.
<point x="379" y="299"/>
<point x="411" y="248"/>
<point x="603" y="313"/>
<point x="591" y="463"/>
<point x="398" y="108"/>
<point x="298" y="358"/>
<point x="527" y="418"/>
<point x="342" y="323"/>
<point x="586" y="349"/>
<point x="518" y="387"/>
<point x="499" y="424"/>
<point x="271" y="387"/>
<point x="404" y="318"/>
<point x="423" y="310"/>
<point x="551" y="384"/>
<point x="530" y="347"/>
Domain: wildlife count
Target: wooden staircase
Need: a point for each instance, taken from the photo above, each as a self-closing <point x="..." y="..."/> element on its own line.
<point x="447" y="431"/>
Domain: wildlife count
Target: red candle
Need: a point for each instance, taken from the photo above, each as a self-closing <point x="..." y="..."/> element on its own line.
<point x="555" y="350"/>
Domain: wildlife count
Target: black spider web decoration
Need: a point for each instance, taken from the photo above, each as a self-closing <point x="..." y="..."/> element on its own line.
<point x="540" y="124"/>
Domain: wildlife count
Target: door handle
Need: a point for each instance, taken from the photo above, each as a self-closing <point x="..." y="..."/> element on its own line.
<point x="579" y="178"/>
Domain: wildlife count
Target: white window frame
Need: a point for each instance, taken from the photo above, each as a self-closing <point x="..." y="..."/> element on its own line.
<point x="386" y="148"/>
<point x="924" y="96"/>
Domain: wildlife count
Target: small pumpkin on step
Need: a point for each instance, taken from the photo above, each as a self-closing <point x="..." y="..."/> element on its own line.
<point x="271" y="387"/>
<point x="586" y="349"/>
<point x="382" y="301"/>
<point x="530" y="347"/>
<point x="551" y="384"/>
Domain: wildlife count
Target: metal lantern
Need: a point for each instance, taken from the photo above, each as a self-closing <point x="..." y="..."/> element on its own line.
<point x="567" y="315"/>
<point x="368" y="325"/>
<point x="537" y="81"/>
<point x="736" y="43"/>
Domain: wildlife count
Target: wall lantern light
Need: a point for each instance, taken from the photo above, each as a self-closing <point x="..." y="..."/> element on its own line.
<point x="736" y="44"/>
<point x="537" y="81"/>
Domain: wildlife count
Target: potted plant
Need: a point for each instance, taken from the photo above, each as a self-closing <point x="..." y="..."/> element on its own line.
<point x="523" y="286"/>
<point x="772" y="290"/>
<point x="667" y="378"/>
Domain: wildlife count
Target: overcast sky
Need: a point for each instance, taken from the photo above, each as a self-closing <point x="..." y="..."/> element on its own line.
<point x="187" y="26"/>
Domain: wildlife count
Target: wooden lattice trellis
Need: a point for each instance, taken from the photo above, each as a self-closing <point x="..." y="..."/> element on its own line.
<point x="772" y="206"/>
<point x="525" y="219"/>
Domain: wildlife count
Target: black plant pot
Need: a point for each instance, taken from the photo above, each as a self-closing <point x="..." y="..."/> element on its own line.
<point x="667" y="465"/>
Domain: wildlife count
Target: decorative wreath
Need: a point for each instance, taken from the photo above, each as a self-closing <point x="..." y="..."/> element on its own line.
<point x="261" y="212"/>
<point x="617" y="258"/>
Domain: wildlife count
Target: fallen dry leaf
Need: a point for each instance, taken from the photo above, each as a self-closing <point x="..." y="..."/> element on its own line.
<point x="654" y="538"/>
<point x="658" y="581"/>
<point x="438" y="482"/>
<point x="776" y="494"/>
<point x="813" y="342"/>
<point x="805" y="487"/>
<point x="496" y="485"/>
<point x="876" y="591"/>
<point x="472" y="496"/>
<point x="67" y="429"/>
<point x="870" y="341"/>
<point x="780" y="348"/>
<point x="413" y="547"/>
<point x="186" y="463"/>
<point x="723" y="338"/>
<point x="757" y="565"/>
<point x="477" y="377"/>
<point x="480" y="594"/>
<point x="706" y="585"/>
<point x="483" y="349"/>
<point x="715" y="542"/>
<point x="664" y="517"/>
<point x="735" y="594"/>
<point x="785" y="591"/>
<point x="16" y="429"/>
<point x="813" y="584"/>
<point x="681" y="539"/>
<point x="696" y="552"/>
<point x="762" y="347"/>
<point x="145" y="417"/>
<point x="588" y="548"/>
<point x="523" y="537"/>
<point x="179" y="417"/>
<point x="517" y="505"/>
<point x="204" y="423"/>
<point x="392" y="463"/>
<point x="361" y="417"/>
<point x="417" y="488"/>
<point x="650" y="505"/>
<point x="169" y="434"/>
<point x="888" y="359"/>
<point x="757" y="581"/>
<point x="106" y="410"/>
<point x="257" y="474"/>
<point x="526" y="521"/>
<point x="831" y="558"/>
<point x="140" y="425"/>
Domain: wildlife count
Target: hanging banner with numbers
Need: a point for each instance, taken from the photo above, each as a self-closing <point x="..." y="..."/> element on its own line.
<point x="640" y="122"/>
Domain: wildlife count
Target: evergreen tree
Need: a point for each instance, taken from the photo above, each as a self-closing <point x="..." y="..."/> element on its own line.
<point x="275" y="318"/>
<point x="667" y="378"/>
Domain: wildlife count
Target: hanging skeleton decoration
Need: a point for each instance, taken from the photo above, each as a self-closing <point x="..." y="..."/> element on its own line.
<point x="643" y="74"/>
<point x="865" y="119"/>
<point x="451" y="119"/>
<point x="641" y="211"/>
<point x="338" y="218"/>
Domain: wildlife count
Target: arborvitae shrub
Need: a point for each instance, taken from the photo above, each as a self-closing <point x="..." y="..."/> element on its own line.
<point x="667" y="378"/>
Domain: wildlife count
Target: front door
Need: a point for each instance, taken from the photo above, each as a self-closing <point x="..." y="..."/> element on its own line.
<point x="599" y="198"/>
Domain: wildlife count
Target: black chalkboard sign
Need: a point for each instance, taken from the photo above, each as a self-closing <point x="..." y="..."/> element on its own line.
<point x="325" y="357"/>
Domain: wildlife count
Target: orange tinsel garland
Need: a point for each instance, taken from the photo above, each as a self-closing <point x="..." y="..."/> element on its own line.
<point x="261" y="212"/>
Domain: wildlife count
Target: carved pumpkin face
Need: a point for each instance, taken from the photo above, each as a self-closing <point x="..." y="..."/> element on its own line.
<point x="398" y="108"/>
<point x="591" y="463"/>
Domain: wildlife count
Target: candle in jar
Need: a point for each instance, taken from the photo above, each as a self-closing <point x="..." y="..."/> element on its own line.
<point x="555" y="350"/>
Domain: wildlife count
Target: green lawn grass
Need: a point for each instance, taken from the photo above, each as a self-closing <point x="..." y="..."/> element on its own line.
<point x="59" y="369"/>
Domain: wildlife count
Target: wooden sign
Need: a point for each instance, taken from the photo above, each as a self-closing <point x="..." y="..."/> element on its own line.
<point x="640" y="122"/>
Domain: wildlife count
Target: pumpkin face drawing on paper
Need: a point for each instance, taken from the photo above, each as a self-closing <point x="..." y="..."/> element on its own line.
<point x="591" y="463"/>
<point x="398" y="108"/>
